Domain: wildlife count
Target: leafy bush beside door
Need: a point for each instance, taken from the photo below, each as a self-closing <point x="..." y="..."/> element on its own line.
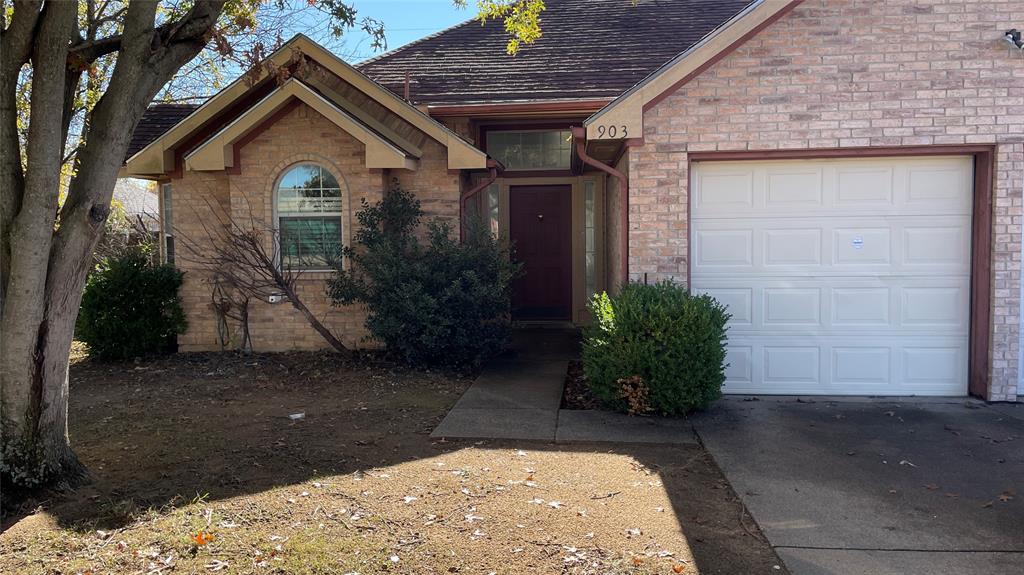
<point x="432" y="300"/>
<point x="656" y="348"/>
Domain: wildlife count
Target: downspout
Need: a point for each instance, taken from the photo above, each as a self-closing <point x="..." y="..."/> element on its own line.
<point x="492" y="166"/>
<point x="579" y="133"/>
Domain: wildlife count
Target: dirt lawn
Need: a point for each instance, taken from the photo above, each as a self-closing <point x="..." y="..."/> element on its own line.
<point x="198" y="469"/>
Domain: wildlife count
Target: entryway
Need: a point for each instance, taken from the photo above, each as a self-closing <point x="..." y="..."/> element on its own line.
<point x="540" y="227"/>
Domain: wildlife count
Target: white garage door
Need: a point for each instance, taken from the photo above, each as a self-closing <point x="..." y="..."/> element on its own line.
<point x="845" y="277"/>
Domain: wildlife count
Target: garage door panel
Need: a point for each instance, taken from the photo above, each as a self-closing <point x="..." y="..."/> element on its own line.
<point x="861" y="246"/>
<point x="844" y="277"/>
<point x="839" y="365"/>
<point x="933" y="365"/>
<point x="829" y="305"/>
<point x="786" y="365"/>
<point x="889" y="245"/>
<point x="739" y="301"/>
<point x="791" y="306"/>
<point x="861" y="365"/>
<point x="939" y="184"/>
<point x="740" y="365"/>
<point x="792" y="247"/>
<point x="936" y="244"/>
<point x="724" y="248"/>
<point x="793" y="187"/>
<point x="725" y="190"/>
<point x="861" y="306"/>
<point x="868" y="186"/>
<point x="934" y="306"/>
<point x="864" y="187"/>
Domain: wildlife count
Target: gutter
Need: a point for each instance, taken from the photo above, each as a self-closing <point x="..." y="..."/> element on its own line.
<point x="548" y="107"/>
<point x="579" y="134"/>
<point x="493" y="166"/>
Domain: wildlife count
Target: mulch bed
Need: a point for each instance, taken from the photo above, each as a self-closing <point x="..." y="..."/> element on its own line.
<point x="577" y="394"/>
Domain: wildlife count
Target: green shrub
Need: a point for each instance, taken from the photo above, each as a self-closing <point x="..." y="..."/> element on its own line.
<point x="130" y="307"/>
<point x="432" y="300"/>
<point x="672" y="341"/>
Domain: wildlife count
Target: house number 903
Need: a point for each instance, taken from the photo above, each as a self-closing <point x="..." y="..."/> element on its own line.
<point x="612" y="131"/>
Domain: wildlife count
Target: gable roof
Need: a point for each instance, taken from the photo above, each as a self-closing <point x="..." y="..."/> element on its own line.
<point x="159" y="156"/>
<point x="625" y="113"/>
<point x="217" y="152"/>
<point x="590" y="49"/>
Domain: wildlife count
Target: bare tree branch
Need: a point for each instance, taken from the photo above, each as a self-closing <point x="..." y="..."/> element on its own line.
<point x="247" y="257"/>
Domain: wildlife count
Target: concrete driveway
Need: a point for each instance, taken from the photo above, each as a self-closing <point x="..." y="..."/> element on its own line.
<point x="875" y="487"/>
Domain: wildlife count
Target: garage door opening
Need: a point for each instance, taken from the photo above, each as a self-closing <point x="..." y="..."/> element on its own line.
<point x="844" y="276"/>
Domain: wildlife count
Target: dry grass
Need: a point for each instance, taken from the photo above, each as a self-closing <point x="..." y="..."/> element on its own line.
<point x="202" y="445"/>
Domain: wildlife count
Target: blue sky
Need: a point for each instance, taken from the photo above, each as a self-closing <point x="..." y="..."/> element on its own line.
<point x="404" y="21"/>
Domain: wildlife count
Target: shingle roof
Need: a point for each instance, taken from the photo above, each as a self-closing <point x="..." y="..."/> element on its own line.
<point x="590" y="49"/>
<point x="155" y="122"/>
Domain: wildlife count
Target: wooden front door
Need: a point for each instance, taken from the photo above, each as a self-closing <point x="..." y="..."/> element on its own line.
<point x="540" y="225"/>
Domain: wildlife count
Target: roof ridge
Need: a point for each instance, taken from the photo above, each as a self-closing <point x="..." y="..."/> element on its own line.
<point x="415" y="42"/>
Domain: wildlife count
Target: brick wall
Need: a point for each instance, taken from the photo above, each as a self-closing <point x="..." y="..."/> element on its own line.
<point x="302" y="135"/>
<point x="613" y="227"/>
<point x="437" y="188"/>
<point x="845" y="73"/>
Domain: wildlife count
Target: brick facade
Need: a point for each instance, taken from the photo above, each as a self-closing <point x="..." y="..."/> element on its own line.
<point x="845" y="73"/>
<point x="302" y="135"/>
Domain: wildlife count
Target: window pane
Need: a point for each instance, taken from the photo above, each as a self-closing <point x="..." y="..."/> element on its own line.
<point x="492" y="211"/>
<point x="327" y="180"/>
<point x="301" y="191"/>
<point x="310" y="242"/>
<point x="302" y="176"/>
<point x="168" y="212"/>
<point x="168" y="223"/>
<point x="589" y="275"/>
<point x="590" y="240"/>
<point x="531" y="150"/>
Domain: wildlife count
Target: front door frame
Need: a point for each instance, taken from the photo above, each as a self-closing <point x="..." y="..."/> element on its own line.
<point x="579" y="299"/>
<point x="980" y="332"/>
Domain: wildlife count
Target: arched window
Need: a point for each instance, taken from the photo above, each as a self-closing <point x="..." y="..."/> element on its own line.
<point x="309" y="214"/>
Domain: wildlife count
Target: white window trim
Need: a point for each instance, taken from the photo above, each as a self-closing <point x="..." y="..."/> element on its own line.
<point x="343" y="191"/>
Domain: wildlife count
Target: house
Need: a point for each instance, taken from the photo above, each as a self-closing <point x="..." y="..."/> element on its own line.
<point x="846" y="175"/>
<point x="140" y="203"/>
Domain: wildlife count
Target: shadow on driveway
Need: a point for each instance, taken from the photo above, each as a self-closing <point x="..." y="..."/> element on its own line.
<point x="877" y="486"/>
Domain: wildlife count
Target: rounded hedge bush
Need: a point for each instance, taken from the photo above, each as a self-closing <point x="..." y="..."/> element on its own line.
<point x="658" y="346"/>
<point x="131" y="307"/>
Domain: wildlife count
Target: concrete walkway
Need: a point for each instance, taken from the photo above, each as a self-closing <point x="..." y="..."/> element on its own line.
<point x="518" y="396"/>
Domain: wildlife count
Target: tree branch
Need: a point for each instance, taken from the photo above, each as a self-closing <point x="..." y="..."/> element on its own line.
<point x="195" y="25"/>
<point x="15" y="50"/>
<point x="16" y="39"/>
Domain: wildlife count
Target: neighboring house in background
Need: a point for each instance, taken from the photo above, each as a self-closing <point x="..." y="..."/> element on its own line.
<point x="845" y="175"/>
<point x="140" y="201"/>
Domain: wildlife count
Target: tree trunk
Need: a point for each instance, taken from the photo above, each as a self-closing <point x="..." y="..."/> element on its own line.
<point x="33" y="449"/>
<point x="43" y="282"/>
<point x="316" y="323"/>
